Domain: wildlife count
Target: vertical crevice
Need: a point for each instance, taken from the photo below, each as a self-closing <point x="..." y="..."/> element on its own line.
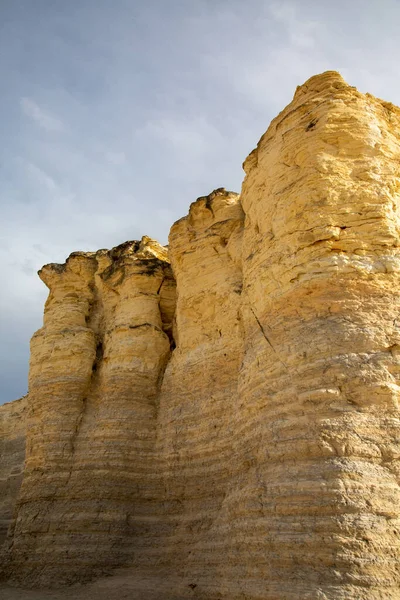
<point x="98" y="358"/>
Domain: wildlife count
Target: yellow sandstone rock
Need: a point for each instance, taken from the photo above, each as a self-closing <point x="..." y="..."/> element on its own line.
<point x="259" y="458"/>
<point x="12" y="455"/>
<point x="315" y="513"/>
<point x="95" y="371"/>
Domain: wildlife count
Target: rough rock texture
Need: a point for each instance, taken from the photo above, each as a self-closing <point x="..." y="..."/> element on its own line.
<point x="259" y="460"/>
<point x="316" y="512"/>
<point x="12" y="456"/>
<point x="199" y="393"/>
<point x="95" y="370"/>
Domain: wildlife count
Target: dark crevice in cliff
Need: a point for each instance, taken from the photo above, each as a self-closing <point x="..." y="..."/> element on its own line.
<point x="98" y="357"/>
<point x="160" y="286"/>
<point x="311" y="124"/>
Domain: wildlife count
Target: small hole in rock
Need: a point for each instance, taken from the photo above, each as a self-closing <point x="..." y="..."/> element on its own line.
<point x="311" y="124"/>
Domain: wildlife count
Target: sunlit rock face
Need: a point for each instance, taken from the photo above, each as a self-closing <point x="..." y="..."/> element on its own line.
<point x="222" y="416"/>
<point x="198" y="398"/>
<point x="96" y="367"/>
<point x="314" y="512"/>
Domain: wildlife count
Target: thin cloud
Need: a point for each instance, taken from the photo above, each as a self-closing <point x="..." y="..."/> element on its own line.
<point x="41" y="117"/>
<point x="41" y="177"/>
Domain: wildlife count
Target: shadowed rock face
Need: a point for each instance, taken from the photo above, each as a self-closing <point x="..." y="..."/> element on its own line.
<point x="12" y="455"/>
<point x="259" y="459"/>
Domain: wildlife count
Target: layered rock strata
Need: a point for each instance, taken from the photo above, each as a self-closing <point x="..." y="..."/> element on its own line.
<point x="259" y="459"/>
<point x="198" y="397"/>
<point x="315" y="510"/>
<point x="96" y="365"/>
<point x="12" y="457"/>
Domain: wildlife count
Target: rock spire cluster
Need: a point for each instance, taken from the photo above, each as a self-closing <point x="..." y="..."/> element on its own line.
<point x="221" y="417"/>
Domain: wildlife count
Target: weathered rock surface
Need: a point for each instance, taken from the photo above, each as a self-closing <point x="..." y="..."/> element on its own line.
<point x="198" y="397"/>
<point x="95" y="371"/>
<point x="12" y="457"/>
<point x="316" y="511"/>
<point x="259" y="459"/>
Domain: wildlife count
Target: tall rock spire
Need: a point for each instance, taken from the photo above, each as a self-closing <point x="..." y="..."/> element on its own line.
<point x="319" y="383"/>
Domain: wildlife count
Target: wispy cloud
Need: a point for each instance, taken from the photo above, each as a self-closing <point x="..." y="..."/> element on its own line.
<point x="302" y="32"/>
<point x="41" y="117"/>
<point x="42" y="178"/>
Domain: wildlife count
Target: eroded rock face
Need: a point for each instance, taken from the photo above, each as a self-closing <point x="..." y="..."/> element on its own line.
<point x="12" y="457"/>
<point x="259" y="459"/>
<point x="319" y="383"/>
<point x="95" y="371"/>
<point x="198" y="397"/>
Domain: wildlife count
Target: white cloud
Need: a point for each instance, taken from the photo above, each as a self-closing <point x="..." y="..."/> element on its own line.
<point x="116" y="158"/>
<point x="41" y="177"/>
<point x="40" y="116"/>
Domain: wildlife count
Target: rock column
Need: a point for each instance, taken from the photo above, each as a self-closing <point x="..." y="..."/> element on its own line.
<point x="88" y="493"/>
<point x="315" y="510"/>
<point x="199" y="392"/>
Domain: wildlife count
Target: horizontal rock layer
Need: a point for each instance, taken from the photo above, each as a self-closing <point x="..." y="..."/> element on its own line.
<point x="12" y="455"/>
<point x="96" y="365"/>
<point x="259" y="458"/>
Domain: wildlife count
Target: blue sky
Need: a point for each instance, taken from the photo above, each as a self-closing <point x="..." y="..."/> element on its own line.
<point x="116" y="114"/>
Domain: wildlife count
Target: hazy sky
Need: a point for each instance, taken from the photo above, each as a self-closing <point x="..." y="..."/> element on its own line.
<point x="116" y="114"/>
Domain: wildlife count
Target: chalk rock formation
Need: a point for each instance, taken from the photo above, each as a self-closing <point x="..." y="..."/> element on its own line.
<point x="198" y="396"/>
<point x="12" y="456"/>
<point x="95" y="370"/>
<point x="315" y="511"/>
<point x="259" y="459"/>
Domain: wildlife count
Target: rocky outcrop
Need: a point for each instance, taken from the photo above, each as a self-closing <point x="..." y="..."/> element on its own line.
<point x="315" y="512"/>
<point x="259" y="458"/>
<point x="12" y="457"/>
<point x="199" y="397"/>
<point x="95" y="371"/>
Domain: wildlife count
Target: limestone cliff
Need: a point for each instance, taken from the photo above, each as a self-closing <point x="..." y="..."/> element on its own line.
<point x="198" y="397"/>
<point x="12" y="456"/>
<point x="95" y="371"/>
<point x="245" y="443"/>
<point x="316" y="511"/>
